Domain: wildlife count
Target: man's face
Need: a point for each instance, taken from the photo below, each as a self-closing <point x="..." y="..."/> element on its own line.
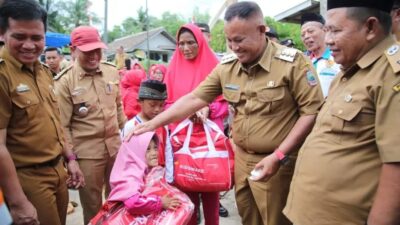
<point x="53" y="60"/>
<point x="25" y="41"/>
<point x="345" y="37"/>
<point x="245" y="38"/>
<point x="313" y="35"/>
<point x="89" y="61"/>
<point x="151" y="108"/>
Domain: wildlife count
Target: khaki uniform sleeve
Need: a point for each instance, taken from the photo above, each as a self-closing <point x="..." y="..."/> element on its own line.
<point x="120" y="111"/>
<point x="305" y="87"/>
<point x="66" y="108"/>
<point x="211" y="87"/>
<point x="5" y="103"/>
<point x="387" y="121"/>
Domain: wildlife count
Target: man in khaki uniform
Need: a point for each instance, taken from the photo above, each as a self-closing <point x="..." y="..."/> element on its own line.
<point x="91" y="114"/>
<point x="32" y="175"/>
<point x="120" y="57"/>
<point x="276" y="97"/>
<point x="348" y="171"/>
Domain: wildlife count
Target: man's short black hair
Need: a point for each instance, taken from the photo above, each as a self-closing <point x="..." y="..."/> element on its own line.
<point x="21" y="10"/>
<point x="242" y="10"/>
<point x="50" y="49"/>
<point x="361" y="14"/>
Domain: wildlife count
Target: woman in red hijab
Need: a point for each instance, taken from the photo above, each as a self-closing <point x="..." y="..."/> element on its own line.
<point x="157" y="72"/>
<point x="191" y="63"/>
<point x="130" y="84"/>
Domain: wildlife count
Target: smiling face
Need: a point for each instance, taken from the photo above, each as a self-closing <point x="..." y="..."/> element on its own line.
<point x="89" y="61"/>
<point x="246" y="38"/>
<point x="312" y="36"/>
<point x="346" y="38"/>
<point x="188" y="45"/>
<point x="24" y="39"/>
<point x="152" y="154"/>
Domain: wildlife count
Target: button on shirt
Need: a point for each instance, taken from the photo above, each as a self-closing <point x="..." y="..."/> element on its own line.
<point x="93" y="133"/>
<point x="29" y="112"/>
<point x="268" y="98"/>
<point x="326" y="69"/>
<point x="338" y="167"/>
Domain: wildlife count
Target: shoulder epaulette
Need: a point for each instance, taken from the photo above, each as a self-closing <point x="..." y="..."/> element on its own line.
<point x="393" y="56"/>
<point x="108" y="63"/>
<point x="62" y="72"/>
<point x="228" y="58"/>
<point x="287" y="54"/>
<point x="45" y="65"/>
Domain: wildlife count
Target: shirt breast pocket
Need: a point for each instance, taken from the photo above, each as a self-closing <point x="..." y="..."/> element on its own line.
<point x="231" y="96"/>
<point x="351" y="123"/>
<point x="270" y="100"/>
<point x="27" y="108"/>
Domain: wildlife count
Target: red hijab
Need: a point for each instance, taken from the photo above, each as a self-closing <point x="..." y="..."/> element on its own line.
<point x="184" y="75"/>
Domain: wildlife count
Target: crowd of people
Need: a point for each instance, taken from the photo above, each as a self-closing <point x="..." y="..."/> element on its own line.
<point x="313" y="133"/>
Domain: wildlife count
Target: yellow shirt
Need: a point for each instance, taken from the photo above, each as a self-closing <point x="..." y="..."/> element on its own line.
<point x="268" y="98"/>
<point x="338" y="167"/>
<point x="96" y="132"/>
<point x="29" y="112"/>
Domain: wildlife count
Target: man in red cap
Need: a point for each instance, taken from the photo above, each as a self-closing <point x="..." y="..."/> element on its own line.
<point x="91" y="114"/>
<point x="348" y="170"/>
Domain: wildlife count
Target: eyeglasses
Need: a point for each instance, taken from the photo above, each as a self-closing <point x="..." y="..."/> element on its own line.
<point x="189" y="44"/>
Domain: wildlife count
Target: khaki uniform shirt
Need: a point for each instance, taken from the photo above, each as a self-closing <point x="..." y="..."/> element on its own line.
<point x="120" y="60"/>
<point x="338" y="167"/>
<point x="29" y="112"/>
<point x="268" y="98"/>
<point x="96" y="133"/>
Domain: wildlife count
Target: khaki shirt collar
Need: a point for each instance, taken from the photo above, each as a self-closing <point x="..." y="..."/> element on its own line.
<point x="5" y="54"/>
<point x="373" y="54"/>
<point x="265" y="60"/>
<point x="82" y="73"/>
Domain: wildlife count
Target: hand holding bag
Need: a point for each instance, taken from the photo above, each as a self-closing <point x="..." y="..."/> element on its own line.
<point x="204" y="162"/>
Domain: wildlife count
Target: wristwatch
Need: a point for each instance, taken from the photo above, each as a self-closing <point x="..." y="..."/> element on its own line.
<point x="71" y="157"/>
<point x="283" y="159"/>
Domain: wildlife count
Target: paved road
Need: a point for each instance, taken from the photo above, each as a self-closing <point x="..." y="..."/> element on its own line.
<point x="228" y="201"/>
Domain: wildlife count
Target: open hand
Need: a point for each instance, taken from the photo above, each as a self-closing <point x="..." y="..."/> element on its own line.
<point x="169" y="202"/>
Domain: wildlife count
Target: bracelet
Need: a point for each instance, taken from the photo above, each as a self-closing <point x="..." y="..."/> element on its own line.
<point x="283" y="159"/>
<point x="71" y="157"/>
<point x="279" y="154"/>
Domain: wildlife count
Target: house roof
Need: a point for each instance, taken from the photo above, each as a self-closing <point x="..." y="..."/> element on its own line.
<point x="131" y="42"/>
<point x="293" y="14"/>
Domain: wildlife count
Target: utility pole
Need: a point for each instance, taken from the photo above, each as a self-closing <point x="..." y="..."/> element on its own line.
<point x="105" y="34"/>
<point x="147" y="34"/>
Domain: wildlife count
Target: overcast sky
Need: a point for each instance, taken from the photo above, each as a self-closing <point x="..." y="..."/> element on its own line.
<point x="121" y="9"/>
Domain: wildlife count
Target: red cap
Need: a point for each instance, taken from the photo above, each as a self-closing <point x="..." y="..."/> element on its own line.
<point x="86" y="39"/>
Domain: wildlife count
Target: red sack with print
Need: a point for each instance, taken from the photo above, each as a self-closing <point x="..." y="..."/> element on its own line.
<point x="203" y="160"/>
<point x="115" y="213"/>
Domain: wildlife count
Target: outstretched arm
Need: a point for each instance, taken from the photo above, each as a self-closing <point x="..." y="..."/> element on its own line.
<point x="184" y="107"/>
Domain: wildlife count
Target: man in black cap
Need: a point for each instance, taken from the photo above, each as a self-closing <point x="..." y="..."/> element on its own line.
<point x="348" y="170"/>
<point x="313" y="36"/>
<point x="396" y="19"/>
<point x="272" y="34"/>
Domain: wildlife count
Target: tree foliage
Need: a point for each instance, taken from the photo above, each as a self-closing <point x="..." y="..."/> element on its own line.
<point x="286" y="30"/>
<point x="65" y="15"/>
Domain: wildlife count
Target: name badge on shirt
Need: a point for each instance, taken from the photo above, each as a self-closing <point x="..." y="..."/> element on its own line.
<point x="23" y="88"/>
<point x="232" y="87"/>
<point x="109" y="87"/>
